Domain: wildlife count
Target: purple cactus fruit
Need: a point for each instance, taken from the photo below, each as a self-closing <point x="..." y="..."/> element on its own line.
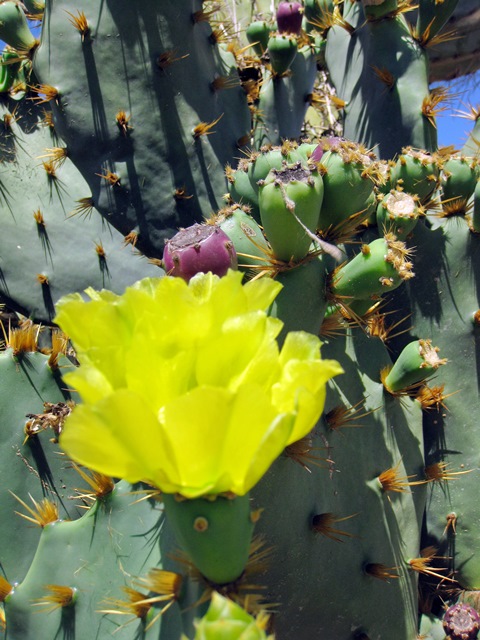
<point x="199" y="248"/>
<point x="461" y="622"/>
<point x="289" y="17"/>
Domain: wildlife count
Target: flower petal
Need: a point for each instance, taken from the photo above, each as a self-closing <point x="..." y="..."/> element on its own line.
<point x="195" y="426"/>
<point x="121" y="437"/>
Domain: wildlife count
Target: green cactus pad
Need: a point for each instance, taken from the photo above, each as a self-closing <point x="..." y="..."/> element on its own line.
<point x="32" y="465"/>
<point x="185" y="113"/>
<point x="92" y="563"/>
<point x="302" y="302"/>
<point x="51" y="243"/>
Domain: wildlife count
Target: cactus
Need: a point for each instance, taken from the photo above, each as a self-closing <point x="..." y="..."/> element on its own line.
<point x="218" y="499"/>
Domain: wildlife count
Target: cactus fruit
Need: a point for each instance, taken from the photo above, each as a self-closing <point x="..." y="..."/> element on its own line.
<point x="199" y="248"/>
<point x="398" y="213"/>
<point x="258" y="34"/>
<point x="381" y="265"/>
<point x="348" y="179"/>
<point x="461" y="622"/>
<point x="250" y="245"/>
<point x="289" y="17"/>
<point x="415" y="172"/>
<point x="290" y="200"/>
<point x="418" y="361"/>
<point x="282" y="49"/>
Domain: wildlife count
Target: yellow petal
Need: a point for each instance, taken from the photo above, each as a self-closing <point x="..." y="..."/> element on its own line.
<point x="195" y="426"/>
<point x="120" y="437"/>
<point x="301" y="390"/>
<point x="90" y="383"/>
<point x="256" y="436"/>
<point x="300" y="345"/>
<point x="261" y="293"/>
<point x="225" y="357"/>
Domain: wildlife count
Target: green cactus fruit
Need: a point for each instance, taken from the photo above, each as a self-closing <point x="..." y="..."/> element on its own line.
<point x="346" y="171"/>
<point x="357" y="308"/>
<point x="226" y="620"/>
<point x="258" y="35"/>
<point x="241" y="188"/>
<point x="398" y="213"/>
<point x="367" y="217"/>
<point x="282" y="50"/>
<point x="416" y="172"/>
<point x="418" y="361"/>
<point x="380" y="266"/>
<point x="290" y="201"/>
<point x="458" y="180"/>
<point x="271" y="157"/>
<point x="215" y="532"/>
<point x="247" y="237"/>
<point x="243" y="182"/>
<point x="14" y="27"/>
<point x="9" y="67"/>
<point x="302" y="153"/>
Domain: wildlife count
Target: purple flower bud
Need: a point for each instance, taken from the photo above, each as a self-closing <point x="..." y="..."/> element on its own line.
<point x="333" y="142"/>
<point x="317" y="154"/>
<point x="461" y="622"/>
<point x="199" y="248"/>
<point x="289" y="17"/>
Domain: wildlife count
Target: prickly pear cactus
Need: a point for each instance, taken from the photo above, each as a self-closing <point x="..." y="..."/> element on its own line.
<point x="225" y="479"/>
<point x="53" y="240"/>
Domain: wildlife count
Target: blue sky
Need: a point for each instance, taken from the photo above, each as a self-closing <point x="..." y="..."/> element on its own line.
<point x="451" y="128"/>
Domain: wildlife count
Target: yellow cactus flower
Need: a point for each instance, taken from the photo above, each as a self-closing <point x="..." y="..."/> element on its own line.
<point x="184" y="385"/>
